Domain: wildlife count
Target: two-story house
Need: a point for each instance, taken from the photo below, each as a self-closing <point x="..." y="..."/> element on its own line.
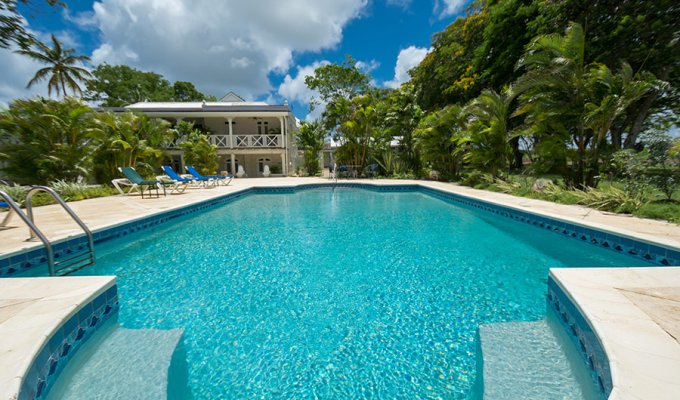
<point x="247" y="134"/>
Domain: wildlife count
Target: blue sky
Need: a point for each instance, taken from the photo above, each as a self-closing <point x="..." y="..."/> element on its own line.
<point x="261" y="49"/>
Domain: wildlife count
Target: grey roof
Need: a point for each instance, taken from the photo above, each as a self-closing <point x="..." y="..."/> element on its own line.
<point x="207" y="107"/>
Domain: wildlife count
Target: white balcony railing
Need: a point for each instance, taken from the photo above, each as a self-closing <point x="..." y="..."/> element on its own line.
<point x="246" y="141"/>
<point x="240" y="141"/>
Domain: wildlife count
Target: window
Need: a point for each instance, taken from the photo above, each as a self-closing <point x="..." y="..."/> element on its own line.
<point x="262" y="127"/>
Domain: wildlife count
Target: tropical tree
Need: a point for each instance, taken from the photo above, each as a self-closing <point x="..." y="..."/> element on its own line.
<point x="186" y="91"/>
<point x="129" y="139"/>
<point x="442" y="139"/>
<point x="643" y="33"/>
<point x="199" y="153"/>
<point x="46" y="140"/>
<point x="402" y="116"/>
<point x="571" y="105"/>
<point x="447" y="74"/>
<point x="489" y="147"/>
<point x="120" y="85"/>
<point x="13" y="26"/>
<point x="361" y="135"/>
<point x="337" y="85"/>
<point x="310" y="139"/>
<point x="62" y="70"/>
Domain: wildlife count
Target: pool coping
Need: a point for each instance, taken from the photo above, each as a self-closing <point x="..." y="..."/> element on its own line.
<point x="643" y="359"/>
<point x="42" y="322"/>
<point x="566" y="225"/>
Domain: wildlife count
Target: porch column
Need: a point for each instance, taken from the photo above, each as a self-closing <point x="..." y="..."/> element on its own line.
<point x="283" y="131"/>
<point x="231" y="139"/>
<point x="284" y="164"/>
<point x="233" y="163"/>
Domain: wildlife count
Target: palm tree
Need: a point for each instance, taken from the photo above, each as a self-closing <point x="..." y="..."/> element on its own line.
<point x="310" y="139"/>
<point x="129" y="139"/>
<point x="62" y="71"/>
<point x="442" y="140"/>
<point x="47" y="140"/>
<point x="571" y="104"/>
<point x="489" y="119"/>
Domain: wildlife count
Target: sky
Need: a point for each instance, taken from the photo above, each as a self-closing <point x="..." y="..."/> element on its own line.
<point x="260" y="49"/>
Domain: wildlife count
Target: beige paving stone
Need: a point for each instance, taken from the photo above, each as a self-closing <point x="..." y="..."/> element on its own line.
<point x="31" y="309"/>
<point x="644" y="358"/>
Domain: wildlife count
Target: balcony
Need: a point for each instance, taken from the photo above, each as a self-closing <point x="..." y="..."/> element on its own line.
<point x="240" y="142"/>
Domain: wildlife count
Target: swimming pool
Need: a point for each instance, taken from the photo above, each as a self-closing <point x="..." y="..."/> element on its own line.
<point x="337" y="293"/>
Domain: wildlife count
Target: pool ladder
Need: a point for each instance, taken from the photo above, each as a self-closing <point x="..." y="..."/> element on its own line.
<point x="71" y="262"/>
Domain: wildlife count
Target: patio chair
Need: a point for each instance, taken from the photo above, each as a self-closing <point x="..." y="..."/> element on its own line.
<point x="342" y="171"/>
<point x="218" y="178"/>
<point x="134" y="177"/>
<point x="372" y="170"/>
<point x="187" y="181"/>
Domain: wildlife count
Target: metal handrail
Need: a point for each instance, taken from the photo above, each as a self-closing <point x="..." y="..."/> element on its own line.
<point x="29" y="210"/>
<point x="35" y="232"/>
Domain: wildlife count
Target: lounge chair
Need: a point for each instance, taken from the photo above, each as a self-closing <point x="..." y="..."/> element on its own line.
<point x="204" y="182"/>
<point x="225" y="180"/>
<point x="136" y="179"/>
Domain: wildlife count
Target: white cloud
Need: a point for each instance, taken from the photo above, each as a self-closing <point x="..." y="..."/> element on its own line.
<point x="220" y="46"/>
<point x="85" y="20"/>
<point x="404" y="4"/>
<point x="295" y="89"/>
<point x="367" y="67"/>
<point x="17" y="70"/>
<point x="445" y="8"/>
<point x="406" y="60"/>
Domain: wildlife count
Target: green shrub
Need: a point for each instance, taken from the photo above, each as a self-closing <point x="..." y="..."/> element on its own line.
<point x="70" y="191"/>
<point x="610" y="199"/>
<point x="16" y="192"/>
<point x="666" y="179"/>
<point x="477" y="179"/>
<point x="198" y="152"/>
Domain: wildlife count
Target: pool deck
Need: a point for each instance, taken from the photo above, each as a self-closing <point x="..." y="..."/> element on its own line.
<point x="636" y="314"/>
<point x="634" y="310"/>
<point x="31" y="309"/>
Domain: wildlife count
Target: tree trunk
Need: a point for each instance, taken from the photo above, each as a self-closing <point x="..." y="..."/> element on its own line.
<point x="517" y="156"/>
<point x="643" y="112"/>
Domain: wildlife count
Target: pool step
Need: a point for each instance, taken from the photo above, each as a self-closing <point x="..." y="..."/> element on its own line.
<point x="530" y="360"/>
<point x="120" y="363"/>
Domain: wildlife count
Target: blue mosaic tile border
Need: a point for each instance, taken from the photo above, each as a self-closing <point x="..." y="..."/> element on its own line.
<point x="582" y="335"/>
<point x="635" y="248"/>
<point x="17" y="263"/>
<point x="64" y="343"/>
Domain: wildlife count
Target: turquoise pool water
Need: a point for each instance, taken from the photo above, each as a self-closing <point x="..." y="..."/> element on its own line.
<point x="339" y="293"/>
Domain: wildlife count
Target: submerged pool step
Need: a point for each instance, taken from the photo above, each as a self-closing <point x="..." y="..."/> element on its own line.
<point x="120" y="363"/>
<point x="531" y="360"/>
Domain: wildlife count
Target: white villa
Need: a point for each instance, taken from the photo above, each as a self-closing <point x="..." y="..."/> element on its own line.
<point x="247" y="134"/>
